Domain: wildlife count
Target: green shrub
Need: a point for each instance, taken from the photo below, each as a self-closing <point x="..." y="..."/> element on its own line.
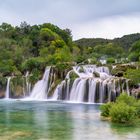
<point x="133" y="74"/>
<point x="121" y="69"/>
<point x="63" y="66"/>
<point x="110" y="60"/>
<point x="73" y="75"/>
<point x="35" y="76"/>
<point x="123" y="113"/>
<point x="105" y="109"/>
<point x="34" y="63"/>
<point x="137" y="106"/>
<point x="129" y="100"/>
<point x="125" y="110"/>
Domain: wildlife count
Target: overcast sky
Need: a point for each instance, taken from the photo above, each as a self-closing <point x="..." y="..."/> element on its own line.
<point x="86" y="18"/>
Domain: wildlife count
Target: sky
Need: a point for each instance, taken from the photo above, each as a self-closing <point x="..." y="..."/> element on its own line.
<point x="86" y="18"/>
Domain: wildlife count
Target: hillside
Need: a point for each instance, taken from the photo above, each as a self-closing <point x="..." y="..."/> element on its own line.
<point x="124" y="42"/>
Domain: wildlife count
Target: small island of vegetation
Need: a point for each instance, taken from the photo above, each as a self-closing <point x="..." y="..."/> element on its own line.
<point x="125" y="110"/>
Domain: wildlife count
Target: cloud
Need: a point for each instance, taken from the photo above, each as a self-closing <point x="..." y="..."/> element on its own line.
<point x="85" y="18"/>
<point x="109" y="27"/>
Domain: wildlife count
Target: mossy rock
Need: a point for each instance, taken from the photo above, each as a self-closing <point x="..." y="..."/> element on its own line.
<point x="81" y="70"/>
<point x="18" y="91"/>
<point x="96" y="74"/>
<point x="73" y="75"/>
<point x="119" y="70"/>
<point x="17" y="80"/>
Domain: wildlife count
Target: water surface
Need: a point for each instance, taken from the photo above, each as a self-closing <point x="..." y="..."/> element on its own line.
<point x="32" y="120"/>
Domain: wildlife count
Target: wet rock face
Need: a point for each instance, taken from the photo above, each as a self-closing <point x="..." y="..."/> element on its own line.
<point x="119" y="70"/>
<point x="96" y="74"/>
<point x="119" y="74"/>
<point x="3" y="82"/>
<point x="136" y="92"/>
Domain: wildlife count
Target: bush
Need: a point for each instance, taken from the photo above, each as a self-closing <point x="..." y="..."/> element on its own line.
<point x="129" y="100"/>
<point x="36" y="75"/>
<point x="63" y="66"/>
<point x="137" y="106"/>
<point x="73" y="75"/>
<point x="126" y="109"/>
<point x="123" y="113"/>
<point x="105" y="109"/>
<point x="134" y="75"/>
<point x="110" y="60"/>
<point x="121" y="69"/>
<point x="34" y="63"/>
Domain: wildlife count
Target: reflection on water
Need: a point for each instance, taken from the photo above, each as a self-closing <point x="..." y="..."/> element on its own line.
<point x="58" y="121"/>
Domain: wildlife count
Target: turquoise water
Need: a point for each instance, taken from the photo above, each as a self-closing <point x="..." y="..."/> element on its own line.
<point x="22" y="120"/>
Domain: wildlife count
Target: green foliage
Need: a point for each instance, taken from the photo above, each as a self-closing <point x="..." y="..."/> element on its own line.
<point x="63" y="66"/>
<point x="73" y="75"/>
<point x="58" y="43"/>
<point x="133" y="74"/>
<point x="124" y="42"/>
<point x="129" y="100"/>
<point x="126" y="109"/>
<point x="116" y="48"/>
<point x="136" y="46"/>
<point x="26" y="48"/>
<point x="36" y="75"/>
<point x="48" y="35"/>
<point x="123" y="113"/>
<point x="134" y="56"/>
<point x="33" y="63"/>
<point x="121" y="69"/>
<point x="47" y="43"/>
<point x="3" y="81"/>
<point x="80" y="59"/>
<point x="137" y="106"/>
<point x="105" y="109"/>
<point x="110" y="60"/>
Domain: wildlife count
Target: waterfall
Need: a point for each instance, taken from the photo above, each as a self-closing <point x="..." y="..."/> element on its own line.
<point x="94" y="84"/>
<point x="40" y="89"/>
<point x="92" y="89"/>
<point x="7" y="93"/>
<point x="58" y="91"/>
<point x="78" y="90"/>
<point x="84" y="83"/>
<point x="26" y="85"/>
<point x="127" y="87"/>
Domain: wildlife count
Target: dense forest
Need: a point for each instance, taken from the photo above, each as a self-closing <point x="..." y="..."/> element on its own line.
<point x="31" y="48"/>
<point x="127" y="46"/>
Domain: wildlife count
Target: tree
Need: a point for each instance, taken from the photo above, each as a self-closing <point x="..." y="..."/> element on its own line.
<point x="135" y="51"/>
<point x="25" y="28"/>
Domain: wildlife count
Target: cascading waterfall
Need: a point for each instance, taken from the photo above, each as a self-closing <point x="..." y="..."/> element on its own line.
<point x="40" y="89"/>
<point x="84" y="83"/>
<point x="26" y="84"/>
<point x="7" y="93"/>
<point x="94" y="84"/>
